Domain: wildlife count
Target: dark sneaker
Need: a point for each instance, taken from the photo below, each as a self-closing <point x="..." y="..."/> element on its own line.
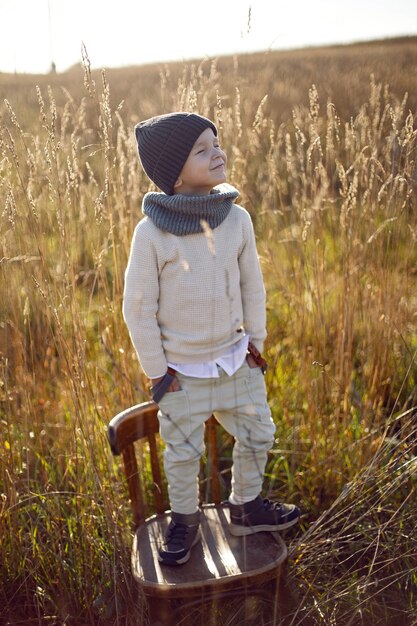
<point x="182" y="534"/>
<point x="261" y="515"/>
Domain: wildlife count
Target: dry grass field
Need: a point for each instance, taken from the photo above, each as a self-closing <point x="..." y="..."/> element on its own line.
<point x="322" y="146"/>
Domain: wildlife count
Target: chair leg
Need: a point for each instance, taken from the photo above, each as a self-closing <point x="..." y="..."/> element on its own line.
<point x="160" y="612"/>
<point x="206" y="610"/>
<point x="180" y="611"/>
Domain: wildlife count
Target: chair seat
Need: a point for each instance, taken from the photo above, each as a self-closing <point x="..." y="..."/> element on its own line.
<point x="220" y="559"/>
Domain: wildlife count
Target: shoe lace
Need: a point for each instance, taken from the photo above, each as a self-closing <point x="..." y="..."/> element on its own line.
<point x="271" y="506"/>
<point x="176" y="534"/>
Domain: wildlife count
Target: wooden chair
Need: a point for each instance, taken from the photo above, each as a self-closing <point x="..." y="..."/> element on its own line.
<point x="221" y="565"/>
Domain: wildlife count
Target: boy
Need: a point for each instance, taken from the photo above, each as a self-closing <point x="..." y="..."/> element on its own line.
<point x="194" y="303"/>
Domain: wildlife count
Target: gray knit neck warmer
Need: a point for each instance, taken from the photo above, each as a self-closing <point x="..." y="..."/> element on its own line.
<point x="182" y="215"/>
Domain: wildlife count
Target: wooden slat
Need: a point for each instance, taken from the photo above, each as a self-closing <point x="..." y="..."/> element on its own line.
<point x="134" y="485"/>
<point x="132" y="424"/>
<point x="213" y="459"/>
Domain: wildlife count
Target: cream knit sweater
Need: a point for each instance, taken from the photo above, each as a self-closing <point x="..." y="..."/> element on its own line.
<point x="188" y="298"/>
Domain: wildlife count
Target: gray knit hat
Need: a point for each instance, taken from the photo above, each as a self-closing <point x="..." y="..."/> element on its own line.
<point x="164" y="143"/>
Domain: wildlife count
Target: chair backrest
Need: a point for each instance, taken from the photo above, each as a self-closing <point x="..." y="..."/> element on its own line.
<point x="138" y="423"/>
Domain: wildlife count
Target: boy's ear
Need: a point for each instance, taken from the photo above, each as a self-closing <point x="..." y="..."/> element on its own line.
<point x="178" y="182"/>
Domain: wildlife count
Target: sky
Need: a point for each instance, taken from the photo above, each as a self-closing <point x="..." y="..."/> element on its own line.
<point x="117" y="33"/>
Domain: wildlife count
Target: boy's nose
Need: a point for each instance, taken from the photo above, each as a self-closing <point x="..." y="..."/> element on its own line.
<point x="218" y="152"/>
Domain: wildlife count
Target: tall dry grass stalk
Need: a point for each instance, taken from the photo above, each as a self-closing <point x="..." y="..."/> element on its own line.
<point x="333" y="202"/>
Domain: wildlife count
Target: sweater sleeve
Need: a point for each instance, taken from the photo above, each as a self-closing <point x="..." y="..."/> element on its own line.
<point x="252" y="288"/>
<point x="140" y="304"/>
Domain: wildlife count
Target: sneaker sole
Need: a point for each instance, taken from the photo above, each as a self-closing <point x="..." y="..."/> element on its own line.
<point x="240" y="531"/>
<point x="184" y="558"/>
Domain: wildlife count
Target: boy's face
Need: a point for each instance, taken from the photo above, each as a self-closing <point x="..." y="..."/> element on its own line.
<point x="205" y="167"/>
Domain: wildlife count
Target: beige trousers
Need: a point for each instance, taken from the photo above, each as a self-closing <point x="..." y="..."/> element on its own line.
<point x="240" y="406"/>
